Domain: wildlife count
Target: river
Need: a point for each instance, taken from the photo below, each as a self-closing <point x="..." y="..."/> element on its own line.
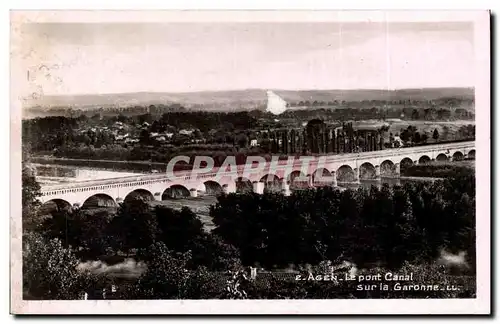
<point x="55" y="174"/>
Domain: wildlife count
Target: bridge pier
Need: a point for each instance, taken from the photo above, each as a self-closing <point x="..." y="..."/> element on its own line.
<point x="397" y="171"/>
<point x="285" y="187"/>
<point x="227" y="189"/>
<point x="334" y="179"/>
<point x="377" y="173"/>
<point x="193" y="193"/>
<point x="356" y="175"/>
<point x="258" y="187"/>
<point x="310" y="181"/>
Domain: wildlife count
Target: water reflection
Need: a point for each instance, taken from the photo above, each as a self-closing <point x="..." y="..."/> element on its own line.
<point x="53" y="174"/>
<point x="378" y="183"/>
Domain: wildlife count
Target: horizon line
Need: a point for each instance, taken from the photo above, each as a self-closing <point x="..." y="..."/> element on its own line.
<point x="259" y="89"/>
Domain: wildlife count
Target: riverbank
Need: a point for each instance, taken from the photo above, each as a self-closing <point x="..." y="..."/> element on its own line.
<point x="105" y="165"/>
<point x="438" y="169"/>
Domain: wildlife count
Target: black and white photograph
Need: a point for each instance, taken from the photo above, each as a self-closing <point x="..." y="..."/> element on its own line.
<point x="265" y="162"/>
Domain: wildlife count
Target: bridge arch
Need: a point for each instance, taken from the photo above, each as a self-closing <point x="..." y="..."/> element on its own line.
<point x="424" y="159"/>
<point x="322" y="177"/>
<point x="174" y="192"/>
<point x="367" y="171"/>
<point x="143" y="194"/>
<point x="54" y="205"/>
<point x="99" y="200"/>
<point x="458" y="156"/>
<point x="345" y="174"/>
<point x="298" y="180"/>
<point x="212" y="188"/>
<point x="271" y="182"/>
<point x="388" y="168"/>
<point x="243" y="185"/>
<point x="472" y="154"/>
<point x="405" y="164"/>
<point x="442" y="157"/>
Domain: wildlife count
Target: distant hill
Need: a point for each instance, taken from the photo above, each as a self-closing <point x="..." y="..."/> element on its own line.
<point x="361" y="95"/>
<point x="242" y="99"/>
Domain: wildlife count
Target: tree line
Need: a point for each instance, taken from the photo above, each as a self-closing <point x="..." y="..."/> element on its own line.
<point x="49" y="132"/>
<point x="62" y="137"/>
<point x="387" y="226"/>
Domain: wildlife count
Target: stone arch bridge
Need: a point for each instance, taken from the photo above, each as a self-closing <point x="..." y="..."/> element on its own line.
<point x="279" y="175"/>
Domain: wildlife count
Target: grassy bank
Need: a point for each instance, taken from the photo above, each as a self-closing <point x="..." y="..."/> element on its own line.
<point x="439" y="169"/>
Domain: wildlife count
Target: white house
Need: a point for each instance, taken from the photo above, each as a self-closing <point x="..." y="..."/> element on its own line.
<point x="398" y="140"/>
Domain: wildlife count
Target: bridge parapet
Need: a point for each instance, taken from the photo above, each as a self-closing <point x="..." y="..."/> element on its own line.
<point x="331" y="162"/>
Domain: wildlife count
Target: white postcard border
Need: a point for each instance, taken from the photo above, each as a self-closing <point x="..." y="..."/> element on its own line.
<point x="480" y="305"/>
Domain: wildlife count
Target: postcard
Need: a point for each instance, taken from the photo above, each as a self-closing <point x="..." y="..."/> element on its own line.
<point x="250" y="162"/>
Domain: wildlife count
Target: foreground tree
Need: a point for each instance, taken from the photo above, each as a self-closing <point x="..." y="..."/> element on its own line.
<point x="30" y="194"/>
<point x="211" y="252"/>
<point x="178" y="228"/>
<point x="65" y="226"/>
<point x="50" y="270"/>
<point x="169" y="277"/>
<point x="134" y="227"/>
<point x="182" y="231"/>
<point x="387" y="226"/>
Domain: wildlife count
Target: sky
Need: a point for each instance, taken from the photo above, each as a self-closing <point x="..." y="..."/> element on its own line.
<point x="99" y="58"/>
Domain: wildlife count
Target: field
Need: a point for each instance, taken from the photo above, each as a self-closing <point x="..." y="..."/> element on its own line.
<point x="445" y="128"/>
<point x="427" y="126"/>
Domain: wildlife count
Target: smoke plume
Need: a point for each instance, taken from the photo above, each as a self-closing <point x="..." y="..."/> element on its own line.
<point x="275" y="104"/>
